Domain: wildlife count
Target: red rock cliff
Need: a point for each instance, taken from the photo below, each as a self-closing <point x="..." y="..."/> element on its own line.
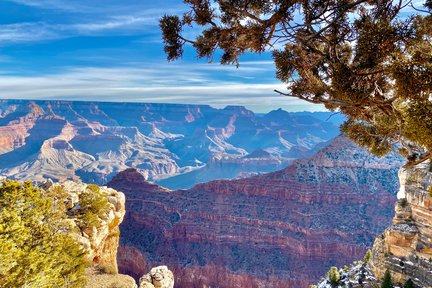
<point x="283" y="229"/>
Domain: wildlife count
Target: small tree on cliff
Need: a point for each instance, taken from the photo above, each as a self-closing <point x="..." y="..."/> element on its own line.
<point x="365" y="58"/>
<point x="387" y="281"/>
<point x="35" y="249"/>
<point x="334" y="276"/>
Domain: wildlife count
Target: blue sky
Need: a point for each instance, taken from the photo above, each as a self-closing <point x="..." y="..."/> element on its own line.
<point x="111" y="50"/>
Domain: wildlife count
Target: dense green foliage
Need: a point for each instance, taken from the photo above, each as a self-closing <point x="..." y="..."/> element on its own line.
<point x="35" y="248"/>
<point x="94" y="206"/>
<point x="387" y="280"/>
<point x="409" y="284"/>
<point x="369" y="59"/>
<point x="334" y="276"/>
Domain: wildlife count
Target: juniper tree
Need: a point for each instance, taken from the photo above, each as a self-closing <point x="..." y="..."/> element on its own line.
<point x="387" y="280"/>
<point x="368" y="59"/>
<point x="35" y="248"/>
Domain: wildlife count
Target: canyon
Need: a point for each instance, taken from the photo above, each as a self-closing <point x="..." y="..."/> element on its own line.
<point x="178" y="145"/>
<point x="281" y="229"/>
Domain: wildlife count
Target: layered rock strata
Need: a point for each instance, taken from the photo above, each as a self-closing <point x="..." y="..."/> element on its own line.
<point x="283" y="229"/>
<point x="405" y="248"/>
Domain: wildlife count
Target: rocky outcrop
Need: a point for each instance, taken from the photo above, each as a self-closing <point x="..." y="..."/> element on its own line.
<point x="99" y="242"/>
<point x="405" y="248"/>
<point x="101" y="279"/>
<point x="357" y="275"/>
<point x="283" y="229"/>
<point x="158" y="277"/>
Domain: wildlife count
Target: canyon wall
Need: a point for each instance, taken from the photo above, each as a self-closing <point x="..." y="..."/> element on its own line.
<point x="405" y="248"/>
<point x="283" y="229"/>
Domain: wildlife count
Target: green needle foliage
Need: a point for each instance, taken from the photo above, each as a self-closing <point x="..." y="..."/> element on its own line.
<point x="387" y="280"/>
<point x="35" y="249"/>
<point x="94" y="206"/>
<point x="368" y="59"/>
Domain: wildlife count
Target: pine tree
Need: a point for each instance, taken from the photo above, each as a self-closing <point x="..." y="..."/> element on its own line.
<point x="387" y="280"/>
<point x="366" y="59"/>
<point x="35" y="249"/>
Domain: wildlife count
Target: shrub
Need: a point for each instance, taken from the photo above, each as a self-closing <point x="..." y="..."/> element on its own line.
<point x="35" y="249"/>
<point x="333" y="276"/>
<point x="409" y="284"/>
<point x="94" y="205"/>
<point x="403" y="202"/>
<point x="367" y="256"/>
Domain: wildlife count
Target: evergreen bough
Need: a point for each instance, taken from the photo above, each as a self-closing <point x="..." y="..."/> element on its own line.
<point x="35" y="247"/>
<point x="370" y="60"/>
<point x="387" y="280"/>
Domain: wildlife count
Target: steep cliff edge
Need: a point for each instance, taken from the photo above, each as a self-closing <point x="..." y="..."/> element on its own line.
<point x="96" y="231"/>
<point x="405" y="248"/>
<point x="100" y="241"/>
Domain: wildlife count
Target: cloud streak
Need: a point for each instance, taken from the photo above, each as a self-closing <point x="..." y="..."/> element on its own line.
<point x="167" y="84"/>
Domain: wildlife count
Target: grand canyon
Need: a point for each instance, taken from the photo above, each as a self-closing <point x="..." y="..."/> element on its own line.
<point x="282" y="229"/>
<point x="300" y="200"/>
<point x="93" y="141"/>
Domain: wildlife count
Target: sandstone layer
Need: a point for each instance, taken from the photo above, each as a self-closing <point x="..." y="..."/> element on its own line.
<point x="283" y="229"/>
<point x="405" y="248"/>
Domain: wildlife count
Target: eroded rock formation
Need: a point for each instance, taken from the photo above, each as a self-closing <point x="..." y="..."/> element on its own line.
<point x="405" y="248"/>
<point x="158" y="277"/>
<point x="100" y="243"/>
<point x="283" y="229"/>
<point x="93" y="141"/>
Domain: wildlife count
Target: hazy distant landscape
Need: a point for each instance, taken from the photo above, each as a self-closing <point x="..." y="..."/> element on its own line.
<point x="172" y="144"/>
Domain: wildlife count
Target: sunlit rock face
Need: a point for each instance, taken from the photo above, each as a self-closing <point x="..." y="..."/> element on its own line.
<point x="100" y="243"/>
<point x="283" y="229"/>
<point x="405" y="248"/>
<point x="92" y="142"/>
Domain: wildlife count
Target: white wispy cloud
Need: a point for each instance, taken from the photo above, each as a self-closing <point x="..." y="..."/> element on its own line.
<point x="50" y="4"/>
<point x="26" y="32"/>
<point x="84" y="18"/>
<point x="164" y="84"/>
<point x="42" y="31"/>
